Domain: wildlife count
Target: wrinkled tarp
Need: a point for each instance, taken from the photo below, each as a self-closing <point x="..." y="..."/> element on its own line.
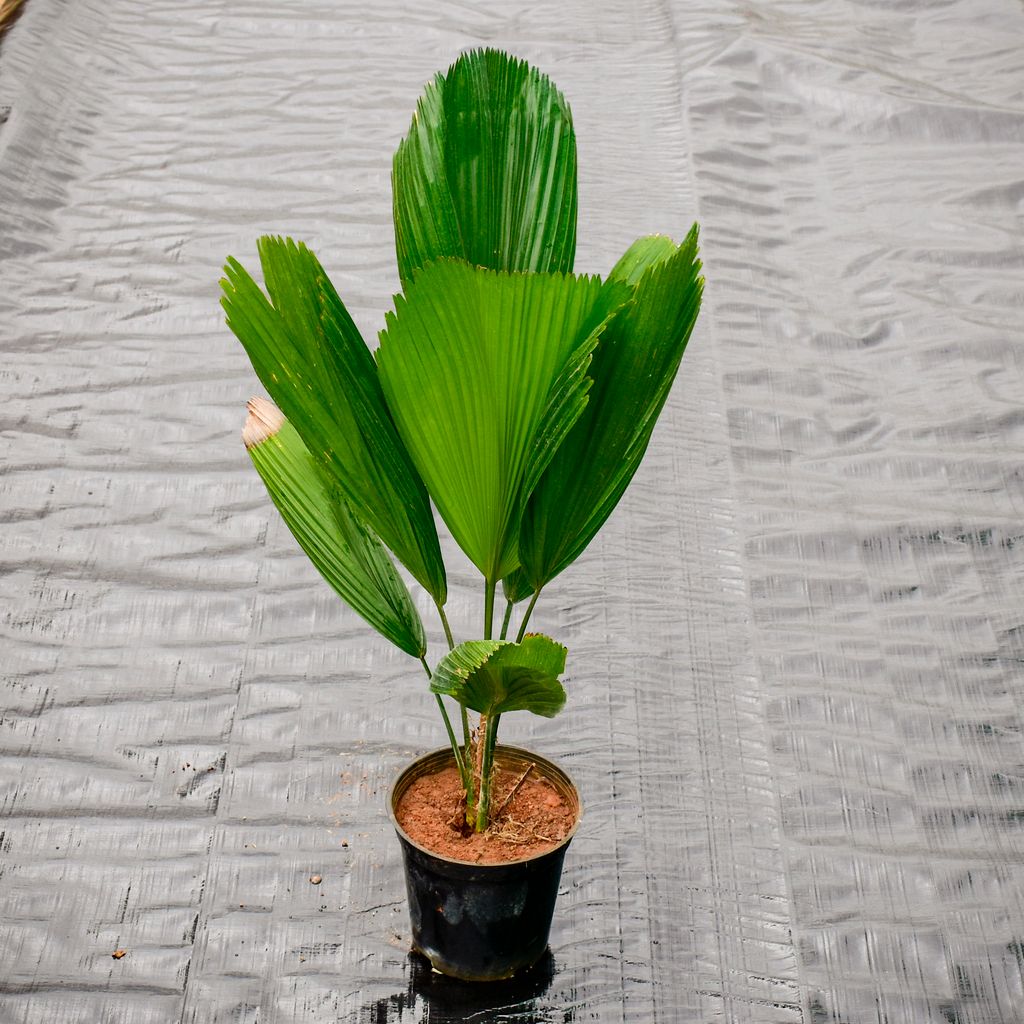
<point x="795" y="652"/>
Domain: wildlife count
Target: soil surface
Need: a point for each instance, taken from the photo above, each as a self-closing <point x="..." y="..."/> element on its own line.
<point x="537" y="818"/>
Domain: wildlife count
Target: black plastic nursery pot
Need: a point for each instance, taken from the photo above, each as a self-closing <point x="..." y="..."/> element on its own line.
<point x="482" y="922"/>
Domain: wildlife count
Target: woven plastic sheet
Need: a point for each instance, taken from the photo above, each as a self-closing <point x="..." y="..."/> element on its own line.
<point x="797" y="650"/>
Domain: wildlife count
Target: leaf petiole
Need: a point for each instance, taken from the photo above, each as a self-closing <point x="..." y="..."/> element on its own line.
<point x="486" y="771"/>
<point x="459" y="761"/>
<point x="526" y="616"/>
<point x="505" y="621"/>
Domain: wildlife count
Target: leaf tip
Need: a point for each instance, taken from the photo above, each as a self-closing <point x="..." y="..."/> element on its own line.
<point x="263" y="422"/>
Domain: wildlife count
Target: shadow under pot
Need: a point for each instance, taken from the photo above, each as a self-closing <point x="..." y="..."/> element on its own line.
<point x="483" y="921"/>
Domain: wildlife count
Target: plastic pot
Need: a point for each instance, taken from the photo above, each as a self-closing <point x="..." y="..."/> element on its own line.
<point x="482" y="922"/>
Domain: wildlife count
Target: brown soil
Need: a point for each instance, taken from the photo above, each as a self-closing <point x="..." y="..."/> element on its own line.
<point x="432" y="811"/>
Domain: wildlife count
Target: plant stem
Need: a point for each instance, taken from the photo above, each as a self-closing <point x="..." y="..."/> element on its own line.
<point x="474" y="758"/>
<point x="444" y="622"/>
<point x="526" y="617"/>
<point x="489" y="586"/>
<point x="484" y="730"/>
<point x="486" y="769"/>
<point x="467" y="739"/>
<point x="459" y="760"/>
<point x="506" y="620"/>
<point x="464" y="760"/>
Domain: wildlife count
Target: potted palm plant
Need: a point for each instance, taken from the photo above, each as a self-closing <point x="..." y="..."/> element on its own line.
<point x="514" y="397"/>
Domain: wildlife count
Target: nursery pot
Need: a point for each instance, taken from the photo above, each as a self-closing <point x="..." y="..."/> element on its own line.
<point x="482" y="922"/>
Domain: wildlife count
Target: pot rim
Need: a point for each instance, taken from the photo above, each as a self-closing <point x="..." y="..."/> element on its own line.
<point x="554" y="770"/>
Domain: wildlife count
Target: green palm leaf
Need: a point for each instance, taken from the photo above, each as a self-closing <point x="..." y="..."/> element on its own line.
<point x="484" y="374"/>
<point x="487" y="172"/>
<point x="497" y="676"/>
<point x="633" y="369"/>
<point x="312" y="360"/>
<point x="643" y="254"/>
<point x="344" y="551"/>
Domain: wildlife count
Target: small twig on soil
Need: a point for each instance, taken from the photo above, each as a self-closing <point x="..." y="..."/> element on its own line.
<point x="517" y="834"/>
<point x="514" y="790"/>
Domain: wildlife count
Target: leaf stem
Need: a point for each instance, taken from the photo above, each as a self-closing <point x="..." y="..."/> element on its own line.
<point x="526" y="617"/>
<point x="506" y="620"/>
<point x="487" y="727"/>
<point x="467" y="738"/>
<point x="444" y="622"/>
<point x="459" y="760"/>
<point x="486" y="769"/>
<point x="474" y="758"/>
<point x="489" y="586"/>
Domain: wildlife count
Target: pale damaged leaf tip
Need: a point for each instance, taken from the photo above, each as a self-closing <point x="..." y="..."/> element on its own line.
<point x="263" y="422"/>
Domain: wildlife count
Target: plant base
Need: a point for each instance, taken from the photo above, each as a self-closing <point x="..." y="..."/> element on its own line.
<point x="482" y="922"/>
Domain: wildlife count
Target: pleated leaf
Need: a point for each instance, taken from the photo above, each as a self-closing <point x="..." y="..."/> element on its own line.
<point x="487" y="172"/>
<point x="344" y="551"/>
<point x="315" y="365"/>
<point x="643" y="254"/>
<point x="497" y="676"/>
<point x="632" y="369"/>
<point x="516" y="586"/>
<point x="484" y="374"/>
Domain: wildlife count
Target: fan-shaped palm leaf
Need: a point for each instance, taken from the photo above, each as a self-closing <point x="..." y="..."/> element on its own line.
<point x="344" y="551"/>
<point x="496" y="676"/>
<point x="633" y="369"/>
<point x="487" y="172"/>
<point x="484" y="374"/>
<point x="312" y="360"/>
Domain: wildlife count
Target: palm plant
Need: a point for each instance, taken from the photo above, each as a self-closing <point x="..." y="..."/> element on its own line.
<point x="514" y="395"/>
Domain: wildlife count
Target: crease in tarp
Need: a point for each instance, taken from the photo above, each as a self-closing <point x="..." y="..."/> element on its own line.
<point x="794" y="674"/>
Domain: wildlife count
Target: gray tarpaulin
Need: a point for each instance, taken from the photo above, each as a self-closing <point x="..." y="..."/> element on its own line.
<point x="796" y="651"/>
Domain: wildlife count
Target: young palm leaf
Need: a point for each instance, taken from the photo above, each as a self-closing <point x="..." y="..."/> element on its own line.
<point x="487" y="172"/>
<point x="312" y="360"/>
<point x="633" y="369"/>
<point x="497" y="676"/>
<point x="494" y="677"/>
<point x="643" y="254"/>
<point x="484" y="373"/>
<point x="344" y="551"/>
